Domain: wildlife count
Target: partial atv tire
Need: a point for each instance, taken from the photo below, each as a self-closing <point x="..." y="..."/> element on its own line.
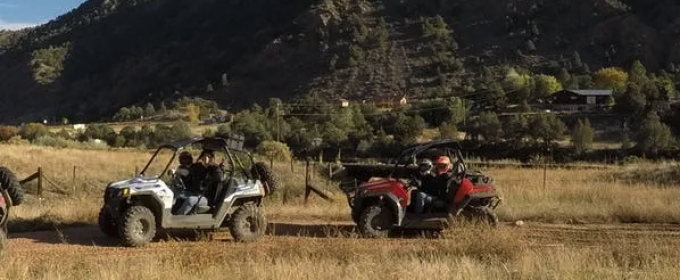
<point x="106" y="223"/>
<point x="137" y="227"/>
<point x="485" y="216"/>
<point x="9" y="182"/>
<point x="248" y="223"/>
<point x="3" y="240"/>
<point x="267" y="176"/>
<point x="376" y="221"/>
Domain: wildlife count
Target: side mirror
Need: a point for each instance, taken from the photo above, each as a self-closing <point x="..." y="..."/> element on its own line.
<point x="171" y="173"/>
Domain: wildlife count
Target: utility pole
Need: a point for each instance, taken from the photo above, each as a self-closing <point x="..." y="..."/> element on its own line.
<point x="278" y="122"/>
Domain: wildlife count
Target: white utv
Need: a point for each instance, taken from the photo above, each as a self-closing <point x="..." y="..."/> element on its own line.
<point x="135" y="209"/>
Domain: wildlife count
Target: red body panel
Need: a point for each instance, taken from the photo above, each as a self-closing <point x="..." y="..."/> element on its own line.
<point x="465" y="188"/>
<point x="393" y="186"/>
<point x="482" y="188"/>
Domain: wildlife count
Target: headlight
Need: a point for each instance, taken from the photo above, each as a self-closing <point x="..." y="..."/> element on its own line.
<point x="124" y="192"/>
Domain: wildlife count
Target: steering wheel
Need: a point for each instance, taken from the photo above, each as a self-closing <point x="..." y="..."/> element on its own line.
<point x="414" y="181"/>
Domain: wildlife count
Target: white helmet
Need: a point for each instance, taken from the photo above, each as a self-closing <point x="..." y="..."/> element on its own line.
<point x="425" y="166"/>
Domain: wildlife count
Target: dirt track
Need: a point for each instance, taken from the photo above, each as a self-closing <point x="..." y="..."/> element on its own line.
<point x="90" y="241"/>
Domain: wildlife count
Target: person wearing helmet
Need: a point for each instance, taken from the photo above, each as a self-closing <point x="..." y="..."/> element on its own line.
<point x="434" y="185"/>
<point x="185" y="162"/>
<point x="425" y="167"/>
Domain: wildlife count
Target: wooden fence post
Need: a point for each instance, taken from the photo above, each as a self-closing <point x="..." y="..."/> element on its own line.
<point x="311" y="173"/>
<point x="307" y="190"/>
<point x="74" y="180"/>
<point x="40" y="183"/>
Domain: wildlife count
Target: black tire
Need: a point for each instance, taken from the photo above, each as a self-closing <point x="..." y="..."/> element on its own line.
<point x="376" y="221"/>
<point x="267" y="176"/>
<point x="3" y="240"/>
<point x="356" y="216"/>
<point x="137" y="227"/>
<point x="248" y="223"/>
<point x="10" y="183"/>
<point x="433" y="233"/>
<point x="491" y="217"/>
<point x="106" y="223"/>
<point x="485" y="216"/>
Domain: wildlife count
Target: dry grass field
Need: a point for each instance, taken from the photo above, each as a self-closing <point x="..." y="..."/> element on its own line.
<point x="582" y="224"/>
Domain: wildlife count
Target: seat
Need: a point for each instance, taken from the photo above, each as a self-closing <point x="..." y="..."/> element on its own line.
<point x="203" y="209"/>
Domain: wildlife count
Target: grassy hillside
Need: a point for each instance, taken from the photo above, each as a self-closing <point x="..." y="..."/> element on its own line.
<point x="112" y="53"/>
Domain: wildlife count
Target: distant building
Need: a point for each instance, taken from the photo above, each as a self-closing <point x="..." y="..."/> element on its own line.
<point x="342" y="103"/>
<point x="579" y="100"/>
<point x="79" y="126"/>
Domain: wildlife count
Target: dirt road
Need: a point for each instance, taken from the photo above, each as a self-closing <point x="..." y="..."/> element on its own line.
<point x="89" y="240"/>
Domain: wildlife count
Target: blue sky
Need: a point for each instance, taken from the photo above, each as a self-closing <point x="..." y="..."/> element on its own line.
<point x="16" y="14"/>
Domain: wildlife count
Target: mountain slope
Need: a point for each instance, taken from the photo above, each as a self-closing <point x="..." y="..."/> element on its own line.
<point x="112" y="53"/>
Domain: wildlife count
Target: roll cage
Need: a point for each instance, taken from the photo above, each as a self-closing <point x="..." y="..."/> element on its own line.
<point x="226" y="145"/>
<point x="447" y="147"/>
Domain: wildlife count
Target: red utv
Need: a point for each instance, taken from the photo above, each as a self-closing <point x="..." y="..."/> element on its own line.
<point x="379" y="206"/>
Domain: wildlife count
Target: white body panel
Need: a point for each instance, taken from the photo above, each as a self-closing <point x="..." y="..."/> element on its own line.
<point x="247" y="188"/>
<point x="145" y="184"/>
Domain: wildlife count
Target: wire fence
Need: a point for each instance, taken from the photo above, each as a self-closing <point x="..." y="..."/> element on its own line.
<point x="324" y="179"/>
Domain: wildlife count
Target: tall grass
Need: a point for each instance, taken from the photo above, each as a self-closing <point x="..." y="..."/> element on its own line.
<point x="470" y="255"/>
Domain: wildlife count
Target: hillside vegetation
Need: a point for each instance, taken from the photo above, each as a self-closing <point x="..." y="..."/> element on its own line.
<point x="107" y="54"/>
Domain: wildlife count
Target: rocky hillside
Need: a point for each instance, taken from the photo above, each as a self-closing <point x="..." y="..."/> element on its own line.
<point x="106" y="54"/>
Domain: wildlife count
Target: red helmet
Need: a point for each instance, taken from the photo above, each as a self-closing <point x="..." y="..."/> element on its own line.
<point x="443" y="164"/>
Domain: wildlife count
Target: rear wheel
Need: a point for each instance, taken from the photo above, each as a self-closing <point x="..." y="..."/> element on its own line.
<point x="485" y="216"/>
<point x="376" y="221"/>
<point x="248" y="223"/>
<point x="106" y="223"/>
<point x="138" y="226"/>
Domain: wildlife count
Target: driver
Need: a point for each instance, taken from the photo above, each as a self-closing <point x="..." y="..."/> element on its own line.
<point x="194" y="192"/>
<point x="435" y="185"/>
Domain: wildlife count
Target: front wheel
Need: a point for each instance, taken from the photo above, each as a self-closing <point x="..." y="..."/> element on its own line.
<point x="248" y="223"/>
<point x="376" y="221"/>
<point x="138" y="226"/>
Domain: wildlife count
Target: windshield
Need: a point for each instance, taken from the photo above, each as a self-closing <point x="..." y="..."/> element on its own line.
<point x="158" y="163"/>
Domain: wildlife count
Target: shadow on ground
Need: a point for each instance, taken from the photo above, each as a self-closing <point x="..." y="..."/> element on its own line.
<point x="90" y="235"/>
<point x="335" y="231"/>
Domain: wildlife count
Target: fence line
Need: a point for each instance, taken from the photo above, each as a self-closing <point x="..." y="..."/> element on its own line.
<point x="319" y="176"/>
